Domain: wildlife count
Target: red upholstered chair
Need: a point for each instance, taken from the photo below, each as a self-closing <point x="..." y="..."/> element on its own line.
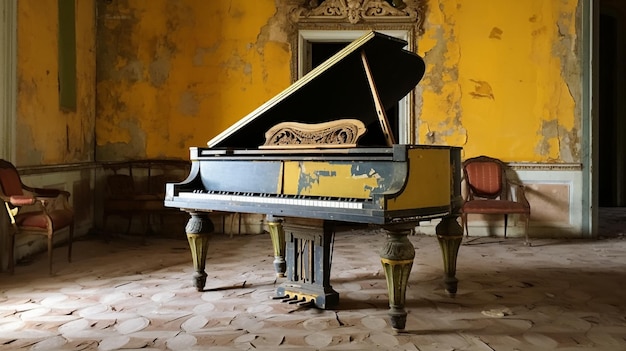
<point x="34" y="210"/>
<point x="488" y="192"/>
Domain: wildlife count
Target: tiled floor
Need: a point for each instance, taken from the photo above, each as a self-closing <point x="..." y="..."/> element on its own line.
<point x="555" y="295"/>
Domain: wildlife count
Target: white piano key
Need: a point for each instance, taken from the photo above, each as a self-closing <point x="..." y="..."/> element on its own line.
<point x="261" y="198"/>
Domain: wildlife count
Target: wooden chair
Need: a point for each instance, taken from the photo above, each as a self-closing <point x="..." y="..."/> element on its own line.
<point x="136" y="188"/>
<point x="487" y="192"/>
<point x="124" y="200"/>
<point x="34" y="210"/>
<point x="120" y="192"/>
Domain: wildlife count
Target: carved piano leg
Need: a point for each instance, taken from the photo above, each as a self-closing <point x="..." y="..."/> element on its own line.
<point x="397" y="259"/>
<point x="198" y="229"/>
<point x="277" y="234"/>
<point x="450" y="236"/>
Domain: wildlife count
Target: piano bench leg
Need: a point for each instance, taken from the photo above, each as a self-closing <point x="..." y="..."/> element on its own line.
<point x="450" y="236"/>
<point x="397" y="259"/>
<point x="198" y="229"/>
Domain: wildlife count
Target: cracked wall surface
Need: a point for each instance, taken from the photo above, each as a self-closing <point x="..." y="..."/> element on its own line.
<point x="173" y="74"/>
<point x="46" y="134"/>
<point x="503" y="79"/>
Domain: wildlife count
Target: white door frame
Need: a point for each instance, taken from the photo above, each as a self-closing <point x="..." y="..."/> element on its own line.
<point x="590" y="145"/>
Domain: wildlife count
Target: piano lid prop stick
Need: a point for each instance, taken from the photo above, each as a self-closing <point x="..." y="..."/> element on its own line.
<point x="380" y="111"/>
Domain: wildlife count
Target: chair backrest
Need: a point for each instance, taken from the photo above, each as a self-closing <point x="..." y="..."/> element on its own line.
<point x="10" y="179"/>
<point x="120" y="186"/>
<point x="484" y="177"/>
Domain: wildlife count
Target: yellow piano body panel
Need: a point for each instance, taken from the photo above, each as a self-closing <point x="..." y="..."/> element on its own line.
<point x="422" y="181"/>
<point x="429" y="181"/>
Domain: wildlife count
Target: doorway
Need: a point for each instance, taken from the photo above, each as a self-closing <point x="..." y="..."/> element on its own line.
<point x="612" y="107"/>
<point x="323" y="50"/>
<point x="315" y="46"/>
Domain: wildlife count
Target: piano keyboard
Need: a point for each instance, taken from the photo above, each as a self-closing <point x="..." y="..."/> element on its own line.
<point x="298" y="200"/>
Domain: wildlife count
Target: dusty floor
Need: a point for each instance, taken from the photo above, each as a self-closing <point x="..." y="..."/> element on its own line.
<point x="555" y="295"/>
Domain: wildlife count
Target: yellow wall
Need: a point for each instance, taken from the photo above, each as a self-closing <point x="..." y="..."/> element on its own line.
<point x="173" y="74"/>
<point x="503" y="79"/>
<point x="45" y="133"/>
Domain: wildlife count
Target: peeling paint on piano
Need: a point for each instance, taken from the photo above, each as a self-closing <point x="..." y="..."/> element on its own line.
<point x="342" y="179"/>
<point x="326" y="173"/>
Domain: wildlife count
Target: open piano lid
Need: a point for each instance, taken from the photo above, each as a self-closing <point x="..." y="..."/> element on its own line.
<point x="336" y="89"/>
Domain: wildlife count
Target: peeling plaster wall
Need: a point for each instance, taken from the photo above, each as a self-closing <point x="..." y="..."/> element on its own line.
<point x="173" y="74"/>
<point x="503" y="78"/>
<point x="54" y="148"/>
<point x="46" y="135"/>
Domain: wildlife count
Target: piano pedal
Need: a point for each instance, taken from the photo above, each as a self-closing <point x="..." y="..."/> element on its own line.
<point x="305" y="303"/>
<point x="280" y="297"/>
<point x="298" y="302"/>
<point x="290" y="299"/>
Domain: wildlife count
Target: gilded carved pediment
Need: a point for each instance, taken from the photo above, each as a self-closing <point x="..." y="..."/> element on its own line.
<point x="360" y="11"/>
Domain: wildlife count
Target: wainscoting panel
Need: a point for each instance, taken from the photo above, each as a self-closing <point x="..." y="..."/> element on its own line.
<point x="554" y="192"/>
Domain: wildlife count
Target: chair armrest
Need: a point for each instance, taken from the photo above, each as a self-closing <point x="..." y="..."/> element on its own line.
<point x="49" y="198"/>
<point x="45" y="192"/>
<point x="40" y="192"/>
<point x="22" y="200"/>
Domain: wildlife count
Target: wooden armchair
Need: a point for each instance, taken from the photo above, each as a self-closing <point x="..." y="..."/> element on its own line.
<point x="137" y="188"/>
<point x="487" y="192"/>
<point x="34" y="210"/>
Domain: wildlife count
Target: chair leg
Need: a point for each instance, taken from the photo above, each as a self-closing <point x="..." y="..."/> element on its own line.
<point x="128" y="223"/>
<point x="506" y="220"/>
<point x="145" y="223"/>
<point x="12" y="254"/>
<point x="527" y="243"/>
<point x="464" y="224"/>
<point x="69" y="242"/>
<point x="50" y="242"/>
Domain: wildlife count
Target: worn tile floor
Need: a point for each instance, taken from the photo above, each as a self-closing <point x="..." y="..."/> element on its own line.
<point x="555" y="295"/>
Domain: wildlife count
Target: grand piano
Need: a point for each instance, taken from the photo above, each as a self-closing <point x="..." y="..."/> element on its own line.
<point x="322" y="154"/>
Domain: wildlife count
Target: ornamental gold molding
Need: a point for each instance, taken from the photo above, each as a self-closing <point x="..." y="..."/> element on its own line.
<point x="361" y="11"/>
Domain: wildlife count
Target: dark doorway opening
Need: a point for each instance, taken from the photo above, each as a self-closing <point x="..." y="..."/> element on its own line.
<point x="321" y="51"/>
<point x="612" y="119"/>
